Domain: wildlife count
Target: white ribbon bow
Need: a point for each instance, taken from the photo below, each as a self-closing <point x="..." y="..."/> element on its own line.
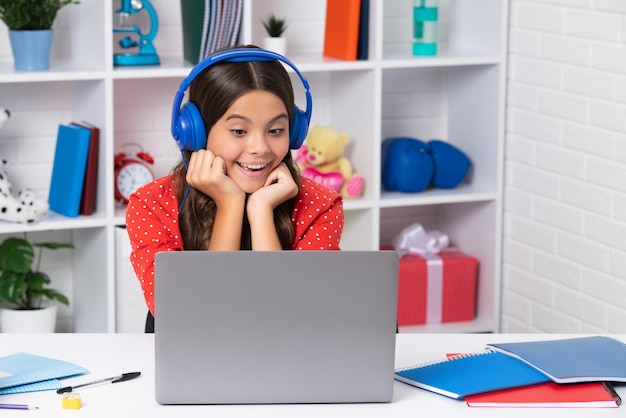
<point x="414" y="239"/>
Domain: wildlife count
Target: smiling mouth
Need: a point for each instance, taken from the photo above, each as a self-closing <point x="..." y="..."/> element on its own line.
<point x="252" y="167"/>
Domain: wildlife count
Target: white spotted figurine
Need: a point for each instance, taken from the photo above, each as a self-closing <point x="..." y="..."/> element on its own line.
<point x="23" y="207"/>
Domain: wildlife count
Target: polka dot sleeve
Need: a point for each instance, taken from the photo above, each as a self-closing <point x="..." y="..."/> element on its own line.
<point x="317" y="217"/>
<point x="152" y="226"/>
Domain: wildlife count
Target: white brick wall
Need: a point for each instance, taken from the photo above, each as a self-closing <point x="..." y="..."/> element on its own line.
<point x="565" y="185"/>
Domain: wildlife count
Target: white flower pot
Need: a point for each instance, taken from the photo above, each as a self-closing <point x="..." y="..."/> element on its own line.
<point x="28" y="321"/>
<point x="278" y="45"/>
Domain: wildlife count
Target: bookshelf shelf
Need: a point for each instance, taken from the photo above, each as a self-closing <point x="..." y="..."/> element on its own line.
<point x="457" y="96"/>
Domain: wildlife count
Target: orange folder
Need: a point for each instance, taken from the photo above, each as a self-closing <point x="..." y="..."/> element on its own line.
<point x="341" y="34"/>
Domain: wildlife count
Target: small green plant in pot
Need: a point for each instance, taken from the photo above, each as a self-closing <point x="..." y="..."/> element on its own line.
<point x="31" y="14"/>
<point x="21" y="285"/>
<point x="275" y="26"/>
<point x="275" y="41"/>
<point x="30" y="30"/>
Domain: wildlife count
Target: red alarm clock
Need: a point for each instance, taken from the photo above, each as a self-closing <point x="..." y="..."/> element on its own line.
<point x="131" y="173"/>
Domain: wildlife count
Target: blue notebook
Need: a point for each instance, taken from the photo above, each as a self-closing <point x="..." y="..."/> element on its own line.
<point x="570" y="360"/>
<point x="68" y="170"/>
<point x="28" y="372"/>
<point x="471" y="374"/>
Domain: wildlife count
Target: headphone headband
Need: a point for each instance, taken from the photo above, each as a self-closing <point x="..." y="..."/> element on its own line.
<point x="189" y="132"/>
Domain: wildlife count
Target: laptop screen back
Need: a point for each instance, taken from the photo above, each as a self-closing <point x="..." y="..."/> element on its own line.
<point x="275" y="327"/>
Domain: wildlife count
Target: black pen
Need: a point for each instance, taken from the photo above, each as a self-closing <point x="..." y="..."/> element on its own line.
<point x="115" y="379"/>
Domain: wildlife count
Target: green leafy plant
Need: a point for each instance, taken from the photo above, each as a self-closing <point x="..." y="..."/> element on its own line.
<point x="31" y="14"/>
<point x="19" y="283"/>
<point x="275" y="26"/>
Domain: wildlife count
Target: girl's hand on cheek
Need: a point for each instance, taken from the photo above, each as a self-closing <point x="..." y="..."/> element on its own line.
<point x="207" y="173"/>
<point x="278" y="188"/>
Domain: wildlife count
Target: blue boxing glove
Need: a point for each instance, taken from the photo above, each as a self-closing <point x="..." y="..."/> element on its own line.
<point x="406" y="165"/>
<point x="451" y="164"/>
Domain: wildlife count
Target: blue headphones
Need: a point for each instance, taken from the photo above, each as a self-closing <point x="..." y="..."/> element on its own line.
<point x="187" y="123"/>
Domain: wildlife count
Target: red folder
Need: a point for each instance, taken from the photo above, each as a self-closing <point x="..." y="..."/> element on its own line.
<point x="88" y="199"/>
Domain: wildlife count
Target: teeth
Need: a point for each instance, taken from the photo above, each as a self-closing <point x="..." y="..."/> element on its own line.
<point x="253" y="167"/>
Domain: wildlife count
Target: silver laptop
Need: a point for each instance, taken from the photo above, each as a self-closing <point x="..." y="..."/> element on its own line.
<point x="275" y="327"/>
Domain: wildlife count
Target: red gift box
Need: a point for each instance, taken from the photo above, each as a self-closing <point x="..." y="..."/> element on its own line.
<point x="437" y="288"/>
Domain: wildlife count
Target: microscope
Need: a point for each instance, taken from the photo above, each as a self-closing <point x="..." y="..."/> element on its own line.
<point x="146" y="54"/>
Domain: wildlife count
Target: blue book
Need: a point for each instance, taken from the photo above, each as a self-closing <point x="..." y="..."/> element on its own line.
<point x="471" y="374"/>
<point x="571" y="360"/>
<point x="68" y="170"/>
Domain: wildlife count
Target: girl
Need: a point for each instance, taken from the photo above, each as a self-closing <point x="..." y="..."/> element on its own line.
<point x="243" y="191"/>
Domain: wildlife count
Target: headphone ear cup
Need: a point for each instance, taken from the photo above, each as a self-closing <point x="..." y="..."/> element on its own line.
<point x="191" y="131"/>
<point x="298" y="129"/>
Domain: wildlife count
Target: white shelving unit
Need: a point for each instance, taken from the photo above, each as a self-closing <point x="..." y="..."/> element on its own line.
<point x="457" y="96"/>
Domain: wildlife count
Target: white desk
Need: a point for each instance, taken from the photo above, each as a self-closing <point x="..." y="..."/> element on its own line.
<point x="112" y="354"/>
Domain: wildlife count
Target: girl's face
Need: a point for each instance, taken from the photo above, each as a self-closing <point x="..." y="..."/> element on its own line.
<point x="252" y="137"/>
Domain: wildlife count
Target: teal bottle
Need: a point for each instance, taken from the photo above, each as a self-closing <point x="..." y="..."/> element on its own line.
<point x="425" y="27"/>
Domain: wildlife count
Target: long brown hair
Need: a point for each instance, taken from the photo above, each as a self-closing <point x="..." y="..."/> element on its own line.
<point x="213" y="91"/>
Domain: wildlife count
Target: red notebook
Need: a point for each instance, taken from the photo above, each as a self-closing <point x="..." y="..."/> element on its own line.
<point x="341" y="34"/>
<point x="88" y="198"/>
<point x="550" y="395"/>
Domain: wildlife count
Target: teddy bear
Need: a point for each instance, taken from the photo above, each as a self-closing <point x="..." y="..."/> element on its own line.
<point x="23" y="207"/>
<point x="321" y="159"/>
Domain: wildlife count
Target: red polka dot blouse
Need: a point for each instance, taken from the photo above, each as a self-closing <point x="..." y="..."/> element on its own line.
<point x="152" y="225"/>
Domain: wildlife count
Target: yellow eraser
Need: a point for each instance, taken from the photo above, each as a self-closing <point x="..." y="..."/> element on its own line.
<point x="71" y="401"/>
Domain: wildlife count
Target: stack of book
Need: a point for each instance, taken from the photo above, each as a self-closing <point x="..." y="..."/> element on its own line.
<point x="573" y="372"/>
<point x="209" y="25"/>
<point x="75" y="169"/>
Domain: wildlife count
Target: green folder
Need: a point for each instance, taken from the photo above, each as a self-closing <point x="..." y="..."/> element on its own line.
<point x="192" y="14"/>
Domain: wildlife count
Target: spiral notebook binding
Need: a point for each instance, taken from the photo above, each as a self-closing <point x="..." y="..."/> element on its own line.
<point x="609" y="388"/>
<point x="446" y="359"/>
<point x="613" y="338"/>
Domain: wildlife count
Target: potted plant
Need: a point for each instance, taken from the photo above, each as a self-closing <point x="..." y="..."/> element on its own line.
<point x="23" y="289"/>
<point x="275" y="27"/>
<point x="30" y="30"/>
